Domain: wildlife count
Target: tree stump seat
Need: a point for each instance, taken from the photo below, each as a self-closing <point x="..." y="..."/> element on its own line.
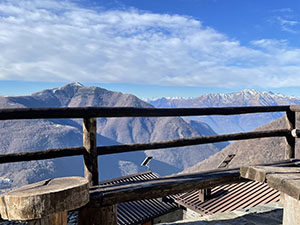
<point x="284" y="179"/>
<point x="45" y="202"/>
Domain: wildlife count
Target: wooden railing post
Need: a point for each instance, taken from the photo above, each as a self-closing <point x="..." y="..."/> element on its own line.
<point x="90" y="215"/>
<point x="291" y="141"/>
<point x="106" y="215"/>
<point x="90" y="154"/>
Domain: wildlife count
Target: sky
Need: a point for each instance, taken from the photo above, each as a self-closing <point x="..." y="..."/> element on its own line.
<point x="151" y="48"/>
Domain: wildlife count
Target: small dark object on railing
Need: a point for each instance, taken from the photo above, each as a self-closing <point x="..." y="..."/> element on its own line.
<point x="226" y="161"/>
<point x="146" y="162"/>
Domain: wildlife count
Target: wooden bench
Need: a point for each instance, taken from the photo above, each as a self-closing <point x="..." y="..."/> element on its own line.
<point x="45" y="202"/>
<point x="104" y="195"/>
<point x="286" y="180"/>
<point x="103" y="198"/>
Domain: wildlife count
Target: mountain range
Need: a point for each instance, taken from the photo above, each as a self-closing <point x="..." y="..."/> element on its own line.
<point x="30" y="135"/>
<point x="236" y="123"/>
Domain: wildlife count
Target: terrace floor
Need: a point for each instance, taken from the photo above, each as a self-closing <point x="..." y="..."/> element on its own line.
<point x="270" y="214"/>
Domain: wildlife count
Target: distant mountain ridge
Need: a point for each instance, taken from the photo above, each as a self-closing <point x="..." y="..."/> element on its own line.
<point x="30" y="135"/>
<point x="229" y="99"/>
<point x="226" y="124"/>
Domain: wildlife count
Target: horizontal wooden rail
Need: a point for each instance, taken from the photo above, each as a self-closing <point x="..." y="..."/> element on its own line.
<point x="192" y="141"/>
<point x="160" y="187"/>
<point x="41" y="155"/>
<point x="90" y="112"/>
<point x="104" y="150"/>
<point x="154" y="188"/>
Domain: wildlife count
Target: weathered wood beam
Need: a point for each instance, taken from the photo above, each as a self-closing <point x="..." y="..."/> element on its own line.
<point x="90" y="153"/>
<point x="290" y="140"/>
<point x="93" y="215"/>
<point x="41" y="155"/>
<point x="113" y="149"/>
<point x="191" y="141"/>
<point x="295" y="108"/>
<point x="106" y="215"/>
<point x="84" y="112"/>
<point x="160" y="187"/>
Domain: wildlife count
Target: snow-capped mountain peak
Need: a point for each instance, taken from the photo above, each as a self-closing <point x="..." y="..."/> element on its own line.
<point x="238" y="123"/>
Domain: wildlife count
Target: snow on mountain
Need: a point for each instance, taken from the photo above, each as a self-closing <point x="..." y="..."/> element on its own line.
<point x="237" y="123"/>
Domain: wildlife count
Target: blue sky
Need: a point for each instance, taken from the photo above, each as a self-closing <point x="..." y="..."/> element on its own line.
<point x="151" y="48"/>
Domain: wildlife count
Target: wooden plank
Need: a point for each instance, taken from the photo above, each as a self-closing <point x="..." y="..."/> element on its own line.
<point x="45" y="198"/>
<point x="160" y="187"/>
<point x="84" y="112"/>
<point x="65" y="152"/>
<point x="290" y="140"/>
<point x="287" y="183"/>
<point x="259" y="173"/>
<point x="90" y="153"/>
<point x="41" y="155"/>
<point x="251" y="173"/>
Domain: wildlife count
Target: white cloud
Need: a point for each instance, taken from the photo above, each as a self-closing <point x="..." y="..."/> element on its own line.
<point x="288" y="25"/>
<point x="283" y="10"/>
<point x="61" y="41"/>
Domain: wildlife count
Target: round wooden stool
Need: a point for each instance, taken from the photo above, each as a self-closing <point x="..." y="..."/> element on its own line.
<point x="45" y="202"/>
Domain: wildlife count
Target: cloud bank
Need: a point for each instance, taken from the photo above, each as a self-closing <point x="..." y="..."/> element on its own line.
<point x="63" y="41"/>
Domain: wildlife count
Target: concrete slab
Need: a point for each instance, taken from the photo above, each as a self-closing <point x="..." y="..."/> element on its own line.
<point x="270" y="214"/>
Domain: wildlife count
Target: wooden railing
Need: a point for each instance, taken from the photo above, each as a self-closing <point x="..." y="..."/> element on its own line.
<point x="89" y="114"/>
<point x="89" y="135"/>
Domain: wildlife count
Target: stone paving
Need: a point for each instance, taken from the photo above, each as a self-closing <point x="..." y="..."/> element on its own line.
<point x="270" y="214"/>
